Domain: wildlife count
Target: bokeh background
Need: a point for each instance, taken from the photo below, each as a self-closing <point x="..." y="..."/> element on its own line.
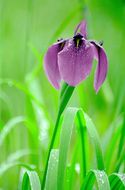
<point x="28" y="103"/>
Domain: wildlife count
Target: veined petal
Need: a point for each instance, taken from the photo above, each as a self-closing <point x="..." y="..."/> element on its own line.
<point x="102" y="66"/>
<point x="51" y="63"/>
<point x="82" y="29"/>
<point x="75" y="63"/>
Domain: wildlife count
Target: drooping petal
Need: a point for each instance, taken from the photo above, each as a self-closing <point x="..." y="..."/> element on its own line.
<point x="102" y="66"/>
<point x="51" y="63"/>
<point x="81" y="27"/>
<point x="75" y="63"/>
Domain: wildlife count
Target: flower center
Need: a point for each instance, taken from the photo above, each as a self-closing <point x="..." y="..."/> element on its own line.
<point x="78" y="39"/>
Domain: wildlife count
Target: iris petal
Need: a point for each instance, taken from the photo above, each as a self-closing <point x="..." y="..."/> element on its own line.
<point x="75" y="63"/>
<point x="102" y="66"/>
<point x="51" y="64"/>
<point x="82" y="28"/>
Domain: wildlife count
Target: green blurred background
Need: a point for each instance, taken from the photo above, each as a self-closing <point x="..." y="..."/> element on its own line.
<point x="26" y="29"/>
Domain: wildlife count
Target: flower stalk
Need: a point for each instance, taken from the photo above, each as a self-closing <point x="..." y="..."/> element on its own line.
<point x="66" y="94"/>
<point x="71" y="60"/>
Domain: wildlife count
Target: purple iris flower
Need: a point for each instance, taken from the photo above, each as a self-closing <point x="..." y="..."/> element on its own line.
<point x="71" y="60"/>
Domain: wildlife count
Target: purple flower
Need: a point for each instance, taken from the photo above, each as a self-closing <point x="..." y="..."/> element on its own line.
<point x="71" y="60"/>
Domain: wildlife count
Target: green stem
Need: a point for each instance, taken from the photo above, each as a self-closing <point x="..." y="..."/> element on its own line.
<point x="67" y="93"/>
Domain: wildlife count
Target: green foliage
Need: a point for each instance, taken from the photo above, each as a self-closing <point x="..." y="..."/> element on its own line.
<point x="89" y="148"/>
<point x="65" y="140"/>
<point x="100" y="177"/>
<point x="29" y="180"/>
<point x="117" y="181"/>
<point x="51" y="177"/>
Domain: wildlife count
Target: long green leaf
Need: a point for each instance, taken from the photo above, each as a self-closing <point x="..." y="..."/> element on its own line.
<point x="51" y="178"/>
<point x="13" y="160"/>
<point x="29" y="180"/>
<point x="117" y="181"/>
<point x="4" y="167"/>
<point x="22" y="88"/>
<point x="100" y="177"/>
<point x="9" y="126"/>
<point x="70" y="116"/>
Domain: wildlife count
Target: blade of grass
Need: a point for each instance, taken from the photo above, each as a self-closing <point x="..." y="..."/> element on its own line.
<point x="100" y="177"/>
<point x="120" y="160"/>
<point x="5" y="99"/>
<point x="22" y="88"/>
<point x="67" y="128"/>
<point x="19" y="154"/>
<point x="9" y="126"/>
<point x="95" y="141"/>
<point x="110" y="132"/>
<point x="122" y="140"/>
<point x="13" y="160"/>
<point x="71" y="171"/>
<point x="82" y="129"/>
<point x="4" y="167"/>
<point x="29" y="180"/>
<point x="116" y="179"/>
<point x="14" y="122"/>
<point x="51" y="178"/>
<point x="111" y="150"/>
